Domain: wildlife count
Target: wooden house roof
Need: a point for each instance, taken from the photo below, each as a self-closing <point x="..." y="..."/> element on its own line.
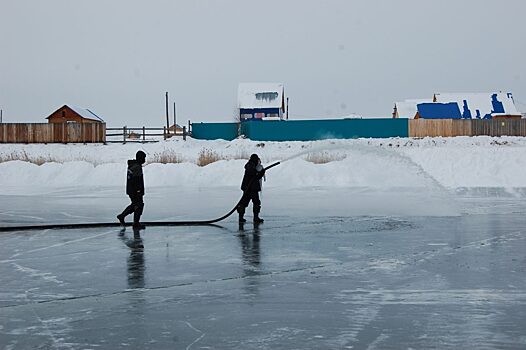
<point x="82" y="112"/>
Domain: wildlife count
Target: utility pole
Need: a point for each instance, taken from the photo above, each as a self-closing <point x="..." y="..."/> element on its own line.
<point x="167" y="116"/>
<point x="287" y="108"/>
<point x="175" y="120"/>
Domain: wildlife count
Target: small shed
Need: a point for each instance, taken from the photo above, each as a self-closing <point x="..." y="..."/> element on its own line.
<point x="70" y="114"/>
<point x="176" y="128"/>
<point x="260" y="101"/>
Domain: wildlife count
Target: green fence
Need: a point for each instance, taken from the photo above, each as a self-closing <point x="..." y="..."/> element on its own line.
<point x="213" y="131"/>
<point x="306" y="130"/>
<point x="303" y="130"/>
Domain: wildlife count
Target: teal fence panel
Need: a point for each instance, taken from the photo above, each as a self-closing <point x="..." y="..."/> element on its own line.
<point x="307" y="130"/>
<point x="213" y="131"/>
<point x="304" y="130"/>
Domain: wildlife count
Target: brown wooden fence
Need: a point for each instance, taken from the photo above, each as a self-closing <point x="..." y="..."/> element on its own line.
<point x="143" y="134"/>
<point x="499" y="127"/>
<point x="52" y="133"/>
<point x="466" y="127"/>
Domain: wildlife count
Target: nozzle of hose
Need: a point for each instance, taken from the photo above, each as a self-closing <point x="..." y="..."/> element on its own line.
<point x="272" y="165"/>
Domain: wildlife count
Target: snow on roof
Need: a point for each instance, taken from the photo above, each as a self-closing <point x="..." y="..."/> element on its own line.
<point x="85" y="113"/>
<point x="260" y="95"/>
<point x="408" y="108"/>
<point x="485" y="103"/>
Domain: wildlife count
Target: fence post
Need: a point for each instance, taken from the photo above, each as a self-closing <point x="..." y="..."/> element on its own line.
<point x="124" y="134"/>
<point x="143" y="134"/>
<point x="164" y="132"/>
<point x="184" y="133"/>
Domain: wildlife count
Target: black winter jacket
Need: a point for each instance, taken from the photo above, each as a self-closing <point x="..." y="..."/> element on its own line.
<point x="135" y="181"/>
<point x="251" y="178"/>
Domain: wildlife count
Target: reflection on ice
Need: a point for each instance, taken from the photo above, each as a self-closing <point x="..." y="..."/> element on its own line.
<point x="135" y="261"/>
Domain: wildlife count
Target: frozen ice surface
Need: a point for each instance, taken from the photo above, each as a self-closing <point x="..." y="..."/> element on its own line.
<point x="329" y="269"/>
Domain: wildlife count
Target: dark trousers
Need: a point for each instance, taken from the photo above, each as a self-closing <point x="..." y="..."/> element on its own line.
<point x="245" y="200"/>
<point x="136" y="207"/>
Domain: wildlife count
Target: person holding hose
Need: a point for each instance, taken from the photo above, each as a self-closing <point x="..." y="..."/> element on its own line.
<point x="251" y="186"/>
<point x="135" y="190"/>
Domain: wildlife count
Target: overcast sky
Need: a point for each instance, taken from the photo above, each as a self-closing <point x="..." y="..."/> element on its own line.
<point x="336" y="58"/>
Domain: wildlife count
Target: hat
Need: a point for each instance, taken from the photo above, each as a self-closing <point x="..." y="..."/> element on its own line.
<point x="140" y="156"/>
<point x="254" y="158"/>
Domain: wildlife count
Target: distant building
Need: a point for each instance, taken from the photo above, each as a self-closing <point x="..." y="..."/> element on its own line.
<point x="407" y="109"/>
<point x="260" y="101"/>
<point x="175" y="128"/>
<point x="482" y="105"/>
<point x="459" y="106"/>
<point x="69" y="114"/>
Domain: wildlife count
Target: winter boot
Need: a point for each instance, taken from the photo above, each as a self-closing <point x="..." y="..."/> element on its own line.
<point x="120" y="217"/>
<point x="136" y="223"/>
<point x="257" y="219"/>
<point x="129" y="210"/>
<point x="138" y="226"/>
<point x="241" y="212"/>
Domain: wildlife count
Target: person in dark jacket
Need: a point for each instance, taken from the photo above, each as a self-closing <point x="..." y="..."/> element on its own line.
<point x="135" y="190"/>
<point x="251" y="186"/>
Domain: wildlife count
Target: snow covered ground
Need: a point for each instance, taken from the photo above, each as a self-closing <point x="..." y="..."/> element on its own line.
<point x="452" y="163"/>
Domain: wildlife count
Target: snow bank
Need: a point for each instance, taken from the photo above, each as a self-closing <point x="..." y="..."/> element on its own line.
<point x="364" y="163"/>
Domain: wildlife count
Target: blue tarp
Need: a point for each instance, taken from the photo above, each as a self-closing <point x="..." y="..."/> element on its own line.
<point x="435" y="110"/>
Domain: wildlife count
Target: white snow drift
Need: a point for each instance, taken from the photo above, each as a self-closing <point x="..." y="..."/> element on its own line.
<point x="363" y="163"/>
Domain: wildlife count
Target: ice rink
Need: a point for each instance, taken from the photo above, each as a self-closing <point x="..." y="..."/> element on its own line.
<point x="316" y="275"/>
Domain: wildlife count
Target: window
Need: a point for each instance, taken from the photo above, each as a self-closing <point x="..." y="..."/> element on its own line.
<point x="266" y="96"/>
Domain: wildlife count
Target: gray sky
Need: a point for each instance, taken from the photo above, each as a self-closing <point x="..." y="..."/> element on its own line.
<point x="337" y="57"/>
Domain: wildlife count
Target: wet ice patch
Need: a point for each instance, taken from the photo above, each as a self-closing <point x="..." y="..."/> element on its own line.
<point x="33" y="273"/>
<point x="275" y="336"/>
<point x="302" y="257"/>
<point x="386" y="264"/>
<point x="359" y="317"/>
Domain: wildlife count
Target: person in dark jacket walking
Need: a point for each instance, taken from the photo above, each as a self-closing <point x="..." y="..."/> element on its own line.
<point x="135" y="190"/>
<point x="251" y="186"/>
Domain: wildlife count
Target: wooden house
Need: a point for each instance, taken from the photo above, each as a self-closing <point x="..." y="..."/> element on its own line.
<point x="69" y="114"/>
